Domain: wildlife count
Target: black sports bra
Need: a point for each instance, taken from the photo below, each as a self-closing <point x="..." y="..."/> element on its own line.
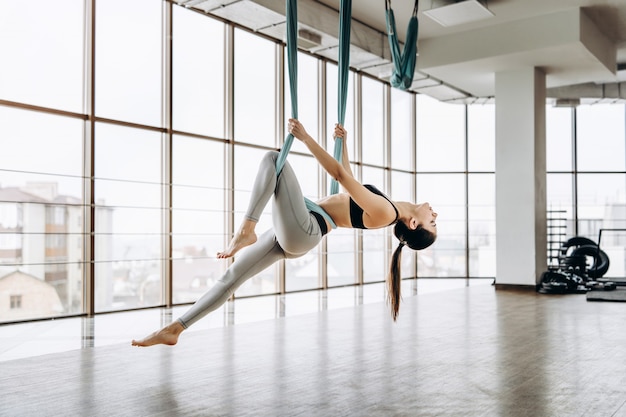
<point x="356" y="212"/>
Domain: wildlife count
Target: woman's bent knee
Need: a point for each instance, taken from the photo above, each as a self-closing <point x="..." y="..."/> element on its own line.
<point x="271" y="155"/>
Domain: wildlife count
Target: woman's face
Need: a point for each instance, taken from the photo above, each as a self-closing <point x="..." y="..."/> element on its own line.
<point x="426" y="217"/>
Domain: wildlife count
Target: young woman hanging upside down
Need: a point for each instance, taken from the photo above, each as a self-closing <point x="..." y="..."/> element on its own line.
<point x="296" y="230"/>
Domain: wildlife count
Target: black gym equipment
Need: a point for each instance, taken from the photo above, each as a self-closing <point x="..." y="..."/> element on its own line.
<point x="600" y="260"/>
<point x="581" y="264"/>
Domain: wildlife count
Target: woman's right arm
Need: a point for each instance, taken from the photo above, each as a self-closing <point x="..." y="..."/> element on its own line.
<point x="326" y="160"/>
<point x="373" y="205"/>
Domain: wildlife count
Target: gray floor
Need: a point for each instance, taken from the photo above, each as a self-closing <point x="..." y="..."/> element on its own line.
<point x="472" y="351"/>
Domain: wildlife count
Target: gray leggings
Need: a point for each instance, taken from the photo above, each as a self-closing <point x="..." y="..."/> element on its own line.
<point x="296" y="231"/>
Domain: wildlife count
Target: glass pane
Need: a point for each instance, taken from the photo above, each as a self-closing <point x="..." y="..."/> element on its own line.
<point x="560" y="213"/>
<point x="198" y="218"/>
<point x="446" y="194"/>
<point x="559" y="194"/>
<point x="481" y="137"/>
<point x="332" y="109"/>
<point x="373" y="134"/>
<point x="307" y="99"/>
<point x="440" y="135"/>
<point x="600" y="198"/>
<point x="601" y="205"/>
<point x="482" y="225"/>
<point x="401" y="130"/>
<point x="401" y="186"/>
<point x="303" y="273"/>
<point x="41" y="144"/>
<point x="341" y="257"/>
<point x="558" y="138"/>
<point x="44" y="42"/>
<point x="197" y="74"/>
<point x="402" y="190"/>
<point x="128" y="240"/>
<point x="41" y="215"/>
<point x="255" y="89"/>
<point x="600" y="137"/>
<point x="306" y="169"/>
<point x="374" y="241"/>
<point x="128" y="64"/>
<point x="246" y="166"/>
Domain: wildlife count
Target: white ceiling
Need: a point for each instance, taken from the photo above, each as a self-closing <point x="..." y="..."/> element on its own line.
<point x="522" y="33"/>
<point x="577" y="43"/>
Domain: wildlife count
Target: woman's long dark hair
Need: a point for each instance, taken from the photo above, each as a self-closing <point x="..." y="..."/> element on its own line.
<point x="417" y="239"/>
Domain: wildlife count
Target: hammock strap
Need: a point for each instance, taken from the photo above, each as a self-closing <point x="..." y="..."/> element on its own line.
<point x="292" y="63"/>
<point x="345" y="13"/>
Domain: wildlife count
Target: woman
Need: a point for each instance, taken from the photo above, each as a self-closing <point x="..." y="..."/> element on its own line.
<point x="296" y="230"/>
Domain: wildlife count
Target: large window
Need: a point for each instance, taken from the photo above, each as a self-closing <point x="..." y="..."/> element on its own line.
<point x="588" y="191"/>
<point x="131" y="198"/>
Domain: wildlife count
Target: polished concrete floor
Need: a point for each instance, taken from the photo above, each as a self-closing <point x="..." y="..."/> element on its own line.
<point x="469" y="351"/>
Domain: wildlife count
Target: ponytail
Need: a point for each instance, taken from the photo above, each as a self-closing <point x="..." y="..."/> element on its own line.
<point x="394" y="281"/>
<point x="416" y="239"/>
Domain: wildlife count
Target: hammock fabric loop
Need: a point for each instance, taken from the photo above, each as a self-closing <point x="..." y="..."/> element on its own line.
<point x="404" y="62"/>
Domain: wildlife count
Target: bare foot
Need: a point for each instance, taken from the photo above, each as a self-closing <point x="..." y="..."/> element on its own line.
<point x="166" y="336"/>
<point x="240" y="240"/>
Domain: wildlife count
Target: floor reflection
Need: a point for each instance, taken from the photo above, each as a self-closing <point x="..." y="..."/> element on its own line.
<point x="53" y="336"/>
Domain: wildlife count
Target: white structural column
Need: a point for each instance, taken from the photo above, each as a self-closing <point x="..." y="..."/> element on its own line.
<point x="520" y="176"/>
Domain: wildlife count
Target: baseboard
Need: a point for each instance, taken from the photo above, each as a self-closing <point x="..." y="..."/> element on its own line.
<point x="515" y="287"/>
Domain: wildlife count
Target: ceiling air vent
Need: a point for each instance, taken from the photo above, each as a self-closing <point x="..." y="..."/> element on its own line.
<point x="459" y="13"/>
<point x="567" y="102"/>
<point x="308" y="40"/>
